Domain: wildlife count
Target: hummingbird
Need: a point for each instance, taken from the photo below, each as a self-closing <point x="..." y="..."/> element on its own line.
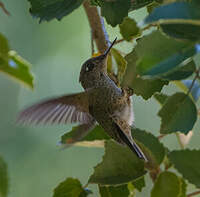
<point x="102" y="102"/>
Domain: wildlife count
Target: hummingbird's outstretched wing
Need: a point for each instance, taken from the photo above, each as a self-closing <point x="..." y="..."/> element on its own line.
<point x="66" y="109"/>
<point x="124" y="136"/>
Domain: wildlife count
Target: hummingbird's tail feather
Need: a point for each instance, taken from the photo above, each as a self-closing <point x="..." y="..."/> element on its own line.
<point x="131" y="144"/>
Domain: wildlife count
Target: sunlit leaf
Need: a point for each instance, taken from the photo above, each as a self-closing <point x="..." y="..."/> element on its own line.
<point x="187" y="162"/>
<point x="14" y="65"/>
<point x="47" y="10"/>
<point x="178" y="113"/>
<point x="167" y="184"/>
<point x="121" y="63"/>
<point x="119" y="166"/>
<point x="129" y="29"/>
<point x="70" y="188"/>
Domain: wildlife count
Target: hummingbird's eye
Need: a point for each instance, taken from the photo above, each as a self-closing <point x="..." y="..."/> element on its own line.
<point x="89" y="67"/>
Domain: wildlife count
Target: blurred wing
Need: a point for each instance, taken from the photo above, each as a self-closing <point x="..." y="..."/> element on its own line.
<point x="66" y="109"/>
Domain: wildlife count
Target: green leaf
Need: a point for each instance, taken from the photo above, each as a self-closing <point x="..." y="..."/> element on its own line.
<point x="141" y="86"/>
<point x="115" y="11"/>
<point x="47" y="10"/>
<point x="183" y="22"/>
<point x="4" y="47"/>
<point x="154" y="59"/>
<point x="3" y="178"/>
<point x="75" y="135"/>
<point x="178" y="113"/>
<point x="70" y="188"/>
<point x="14" y="65"/>
<point x="167" y="184"/>
<point x="114" y="191"/>
<point x="119" y="166"/>
<point x="139" y="183"/>
<point x="96" y="2"/>
<point x="161" y="98"/>
<point x="129" y="29"/>
<point x="152" y="148"/>
<point x="121" y="63"/>
<point x="181" y="72"/>
<point x="136" y="4"/>
<point x="187" y="162"/>
<point x="183" y="188"/>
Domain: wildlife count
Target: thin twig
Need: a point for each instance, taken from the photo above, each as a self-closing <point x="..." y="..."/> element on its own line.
<point x="161" y="136"/>
<point x="193" y="193"/>
<point x="193" y="81"/>
<point x="96" y="26"/>
<point x="4" y="9"/>
<point x="179" y="140"/>
<point x="119" y="41"/>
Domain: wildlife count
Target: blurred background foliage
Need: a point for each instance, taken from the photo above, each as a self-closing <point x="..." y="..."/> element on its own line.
<point x="56" y="51"/>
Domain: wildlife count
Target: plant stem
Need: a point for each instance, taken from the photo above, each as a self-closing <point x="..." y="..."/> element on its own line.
<point x="193" y="193"/>
<point x="96" y="25"/>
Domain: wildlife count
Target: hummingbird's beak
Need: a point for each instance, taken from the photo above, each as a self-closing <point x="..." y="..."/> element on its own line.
<point x="108" y="50"/>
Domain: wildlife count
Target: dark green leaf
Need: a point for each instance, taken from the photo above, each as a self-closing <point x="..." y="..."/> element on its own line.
<point x="115" y="11"/>
<point x="144" y="87"/>
<point x="152" y="6"/>
<point x="187" y="162"/>
<point x="129" y="29"/>
<point x="119" y="166"/>
<point x="14" y="65"/>
<point x="195" y="91"/>
<point x="181" y="72"/>
<point x="167" y="184"/>
<point x="136" y="4"/>
<point x="114" y="191"/>
<point x="96" y="2"/>
<point x="183" y="21"/>
<point x="70" y="188"/>
<point x="3" y="178"/>
<point x="151" y="147"/>
<point x="121" y="63"/>
<point x="154" y="59"/>
<point x="160" y="97"/>
<point x="75" y="135"/>
<point x="139" y="183"/>
<point x="47" y="10"/>
<point x="178" y="113"/>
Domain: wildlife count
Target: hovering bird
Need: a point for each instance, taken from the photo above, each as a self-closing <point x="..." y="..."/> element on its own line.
<point x="102" y="101"/>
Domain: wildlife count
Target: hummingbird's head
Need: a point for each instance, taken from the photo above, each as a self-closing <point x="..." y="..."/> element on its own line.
<point x="94" y="68"/>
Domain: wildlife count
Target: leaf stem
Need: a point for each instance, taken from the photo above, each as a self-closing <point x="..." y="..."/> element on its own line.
<point x="193" y="193"/>
<point x="179" y="141"/>
<point x="193" y="81"/>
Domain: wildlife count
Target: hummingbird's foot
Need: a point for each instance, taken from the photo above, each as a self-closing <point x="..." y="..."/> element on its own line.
<point x="127" y="91"/>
